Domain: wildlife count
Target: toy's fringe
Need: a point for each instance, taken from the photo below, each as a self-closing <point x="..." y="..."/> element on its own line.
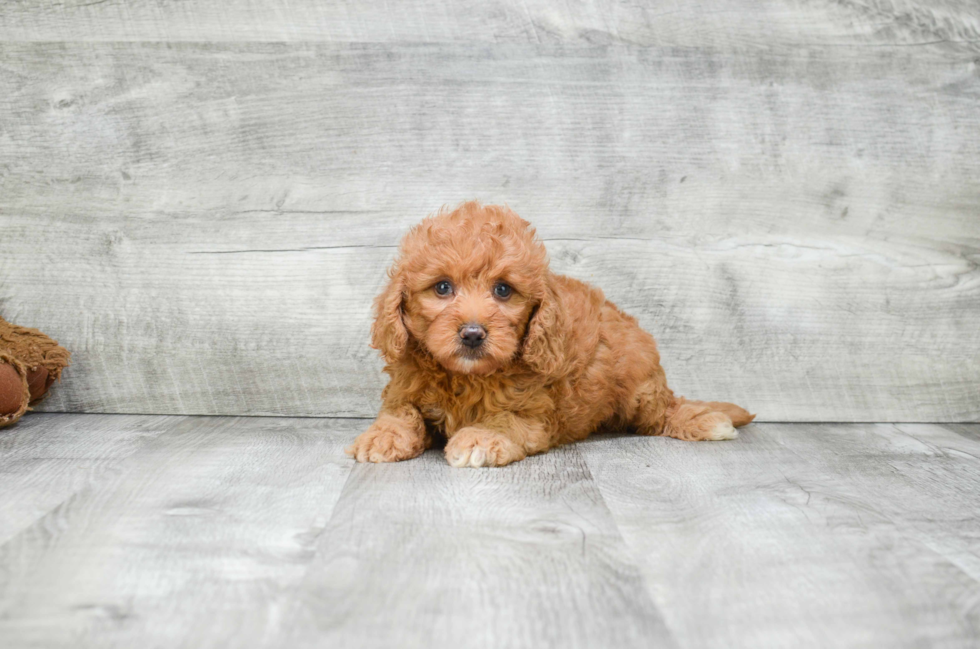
<point x="11" y="418"/>
<point x="35" y="357"/>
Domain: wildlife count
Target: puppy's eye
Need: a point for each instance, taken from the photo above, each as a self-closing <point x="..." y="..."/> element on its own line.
<point x="443" y="288"/>
<point x="502" y="291"/>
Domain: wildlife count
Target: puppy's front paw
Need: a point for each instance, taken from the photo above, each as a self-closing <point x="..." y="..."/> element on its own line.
<point x="476" y="447"/>
<point x="387" y="440"/>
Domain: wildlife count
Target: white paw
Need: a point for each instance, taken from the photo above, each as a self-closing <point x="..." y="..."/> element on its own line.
<point x="475" y="457"/>
<point x="476" y="447"/>
<point x="723" y="430"/>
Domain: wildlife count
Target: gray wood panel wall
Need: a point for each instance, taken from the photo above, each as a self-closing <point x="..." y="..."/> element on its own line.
<point x="199" y="199"/>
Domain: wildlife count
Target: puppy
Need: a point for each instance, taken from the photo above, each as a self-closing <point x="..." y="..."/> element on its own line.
<point x="486" y="347"/>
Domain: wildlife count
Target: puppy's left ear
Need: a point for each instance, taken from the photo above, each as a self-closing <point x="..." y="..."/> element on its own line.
<point x="544" y="342"/>
<point x="388" y="333"/>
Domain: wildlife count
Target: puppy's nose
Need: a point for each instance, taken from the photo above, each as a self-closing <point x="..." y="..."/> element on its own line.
<point x="472" y="334"/>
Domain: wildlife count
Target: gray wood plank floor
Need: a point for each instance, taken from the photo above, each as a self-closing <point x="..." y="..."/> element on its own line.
<point x="118" y="530"/>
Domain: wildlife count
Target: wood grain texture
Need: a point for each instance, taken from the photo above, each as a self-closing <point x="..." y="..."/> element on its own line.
<point x="191" y="541"/>
<point x="721" y="23"/>
<point x="204" y="225"/>
<point x="46" y="459"/>
<point x="419" y="554"/>
<point x="258" y="532"/>
<point x="970" y="431"/>
<point x="804" y="535"/>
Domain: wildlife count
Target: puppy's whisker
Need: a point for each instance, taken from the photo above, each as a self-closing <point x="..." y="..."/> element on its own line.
<point x="471" y="354"/>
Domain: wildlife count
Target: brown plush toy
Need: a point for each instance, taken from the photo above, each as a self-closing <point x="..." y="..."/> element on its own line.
<point x="29" y="363"/>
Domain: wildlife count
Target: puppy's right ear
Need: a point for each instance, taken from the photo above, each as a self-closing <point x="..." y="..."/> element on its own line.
<point x="388" y="333"/>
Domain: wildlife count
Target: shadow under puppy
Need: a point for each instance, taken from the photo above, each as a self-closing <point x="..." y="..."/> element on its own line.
<point x="488" y="347"/>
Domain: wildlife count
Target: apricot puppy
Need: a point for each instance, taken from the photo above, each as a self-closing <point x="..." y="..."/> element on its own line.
<point x="487" y="347"/>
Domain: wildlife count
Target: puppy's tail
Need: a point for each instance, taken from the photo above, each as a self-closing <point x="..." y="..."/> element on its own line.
<point x="739" y="415"/>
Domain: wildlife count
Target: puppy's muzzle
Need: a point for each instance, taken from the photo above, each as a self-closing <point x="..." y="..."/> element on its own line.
<point x="472" y="335"/>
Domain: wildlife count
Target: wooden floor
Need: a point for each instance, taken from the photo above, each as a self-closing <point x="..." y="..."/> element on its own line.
<point x="167" y="531"/>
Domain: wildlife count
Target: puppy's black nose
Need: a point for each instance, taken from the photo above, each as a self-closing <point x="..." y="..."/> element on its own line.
<point x="472" y="334"/>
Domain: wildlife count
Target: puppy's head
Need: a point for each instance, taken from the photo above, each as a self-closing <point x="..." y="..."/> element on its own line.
<point x="471" y="286"/>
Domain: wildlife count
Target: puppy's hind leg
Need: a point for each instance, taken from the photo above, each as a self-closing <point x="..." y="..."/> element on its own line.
<point x="649" y="407"/>
<point x="694" y="421"/>
<point x="739" y="415"/>
<point x="705" y="420"/>
<point x="659" y="412"/>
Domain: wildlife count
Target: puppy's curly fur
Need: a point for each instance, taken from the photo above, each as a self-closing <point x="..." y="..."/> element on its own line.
<point x="487" y="347"/>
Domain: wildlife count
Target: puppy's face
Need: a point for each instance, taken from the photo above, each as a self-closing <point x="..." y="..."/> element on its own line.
<point x="470" y="323"/>
<point x="470" y="282"/>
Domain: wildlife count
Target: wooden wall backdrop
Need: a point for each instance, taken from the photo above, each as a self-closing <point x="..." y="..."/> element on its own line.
<point x="199" y="199"/>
